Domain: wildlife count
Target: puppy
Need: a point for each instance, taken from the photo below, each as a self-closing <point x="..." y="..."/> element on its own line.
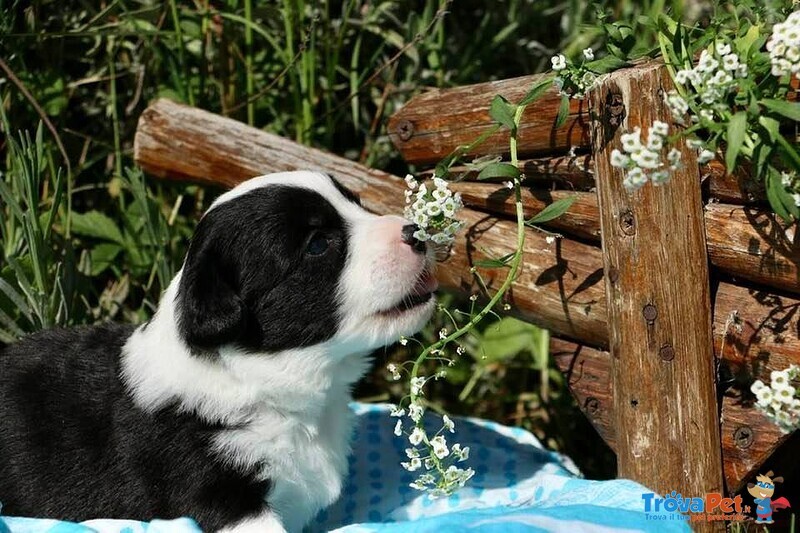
<point x="230" y="405"/>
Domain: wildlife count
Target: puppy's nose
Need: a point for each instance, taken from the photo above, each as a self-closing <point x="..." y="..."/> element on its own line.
<point x="408" y="238"/>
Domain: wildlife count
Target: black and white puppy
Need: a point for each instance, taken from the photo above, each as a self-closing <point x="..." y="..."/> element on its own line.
<point x="230" y="405"/>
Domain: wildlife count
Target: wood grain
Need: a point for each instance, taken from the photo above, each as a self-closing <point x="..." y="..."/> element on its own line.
<point x="659" y="306"/>
<point x="433" y="124"/>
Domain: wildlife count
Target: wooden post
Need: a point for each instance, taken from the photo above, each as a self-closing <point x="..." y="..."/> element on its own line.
<point x="659" y="308"/>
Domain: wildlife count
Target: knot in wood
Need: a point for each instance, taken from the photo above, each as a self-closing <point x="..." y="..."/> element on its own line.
<point x="743" y="437"/>
<point x="650" y="313"/>
<point x="667" y="352"/>
<point x="614" y="109"/>
<point x="613" y="275"/>
<point x="592" y="405"/>
<point x="627" y="222"/>
<point x="405" y="129"/>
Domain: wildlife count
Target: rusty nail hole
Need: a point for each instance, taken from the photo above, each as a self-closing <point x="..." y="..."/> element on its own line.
<point x="592" y="405"/>
<point x="627" y="223"/>
<point x="405" y="129"/>
<point x="667" y="352"/>
<point x="743" y="437"/>
<point x="650" y="313"/>
<point x="613" y="274"/>
<point x="634" y="403"/>
<point x="615" y="109"/>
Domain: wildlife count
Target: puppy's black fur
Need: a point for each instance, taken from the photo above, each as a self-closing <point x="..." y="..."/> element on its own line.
<point x="261" y="273"/>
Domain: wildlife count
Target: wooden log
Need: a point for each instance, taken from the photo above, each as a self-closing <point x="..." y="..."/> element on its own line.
<point x="753" y="244"/>
<point x="581" y="220"/>
<point x="750" y="243"/>
<point x="433" y="124"/>
<point x="736" y="188"/>
<point x="574" y="173"/>
<point x="559" y="287"/>
<point x="659" y="307"/>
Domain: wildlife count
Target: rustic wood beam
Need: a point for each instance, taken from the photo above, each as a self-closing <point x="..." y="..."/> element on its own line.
<point x="659" y="305"/>
<point x="433" y="124"/>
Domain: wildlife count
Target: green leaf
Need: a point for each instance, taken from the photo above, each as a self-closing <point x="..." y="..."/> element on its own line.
<point x="499" y="170"/>
<point x="737" y="128"/>
<point x="563" y="111"/>
<point x="552" y="211"/>
<point x="96" y="224"/>
<point x="772" y="127"/>
<point x="775" y="191"/>
<point x="536" y="91"/>
<point x="606" y="64"/>
<point x="102" y="257"/>
<point x="494" y="263"/>
<point x="507" y="338"/>
<point x="502" y="111"/>
<point x="789" y="110"/>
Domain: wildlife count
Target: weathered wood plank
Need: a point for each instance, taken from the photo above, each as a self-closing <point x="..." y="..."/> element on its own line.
<point x="581" y="220"/>
<point x="659" y="306"/>
<point x="753" y="244"/>
<point x="559" y="287"/>
<point x="433" y="124"/>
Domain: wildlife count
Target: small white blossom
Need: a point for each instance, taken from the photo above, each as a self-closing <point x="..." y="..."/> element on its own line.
<point x="398" y="428"/>
<point x="416" y="385"/>
<point x="397" y="411"/>
<point x="559" y="62"/>
<point x="415" y="412"/>
<point x="412" y="453"/>
<point x="549" y="239"/>
<point x="659" y="128"/>
<point x="439" y="445"/>
<point x="403" y="341"/>
<point x="618" y="159"/>
<point x="779" y="378"/>
<point x="784" y="46"/>
<point x="705" y="156"/>
<point x="448" y="424"/>
<point x="588" y="53"/>
<point x="433" y="211"/>
<point x="392" y="368"/>
<point x="416" y="436"/>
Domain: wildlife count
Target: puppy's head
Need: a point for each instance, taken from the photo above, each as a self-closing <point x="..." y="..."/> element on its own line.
<point x="291" y="260"/>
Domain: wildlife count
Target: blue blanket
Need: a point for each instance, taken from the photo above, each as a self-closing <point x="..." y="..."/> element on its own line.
<point x="518" y="486"/>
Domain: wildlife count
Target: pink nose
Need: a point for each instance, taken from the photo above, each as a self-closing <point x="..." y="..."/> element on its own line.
<point x="408" y="238"/>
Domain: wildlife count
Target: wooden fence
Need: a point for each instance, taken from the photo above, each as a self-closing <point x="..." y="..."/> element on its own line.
<point x="650" y="296"/>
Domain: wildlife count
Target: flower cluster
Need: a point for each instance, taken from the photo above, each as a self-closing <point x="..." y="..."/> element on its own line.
<point x="431" y="455"/>
<point x="707" y="85"/>
<point x="573" y="80"/>
<point x="434" y="211"/>
<point x="779" y="400"/>
<point x="784" y="46"/>
<point x="642" y="161"/>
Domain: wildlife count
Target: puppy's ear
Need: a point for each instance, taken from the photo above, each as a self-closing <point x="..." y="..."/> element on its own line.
<point x="210" y="310"/>
<point x="778" y="479"/>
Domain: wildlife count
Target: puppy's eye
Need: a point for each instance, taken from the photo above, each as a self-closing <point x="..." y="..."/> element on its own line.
<point x="318" y="244"/>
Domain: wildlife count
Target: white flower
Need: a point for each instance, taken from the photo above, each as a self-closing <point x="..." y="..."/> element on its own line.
<point x="796" y="198"/>
<point x="403" y="341"/>
<point x="439" y="445"/>
<point x="461" y="453"/>
<point x="618" y="159"/>
<point x="635" y="179"/>
<point x="786" y="394"/>
<point x="757" y="386"/>
<point x="550" y="239"/>
<point x="421" y="235"/>
<point x="723" y="48"/>
<point x="784" y="46"/>
<point x="682" y="76"/>
<point x="509" y="185"/>
<point x="707" y="62"/>
<point x="659" y="128"/>
<point x="398" y="428"/>
<point x="392" y="368"/>
<point x="674" y="158"/>
<point x="415" y="412"/>
<point x="411" y="182"/>
<point x="779" y="379"/>
<point x="416" y="436"/>
<point x="416" y="385"/>
<point x="694" y="144"/>
<point x="631" y="142"/>
<point x="659" y="177"/>
<point x="448" y="424"/>
<point x="559" y="62"/>
<point x="588" y="54"/>
<point x="413" y="466"/>
<point x="646" y="159"/>
<point x="397" y="411"/>
<point x="731" y="62"/>
<point x="764" y="396"/>
<point x="460" y="349"/>
<point x="678" y="107"/>
<point x="412" y="453"/>
<point x="705" y="156"/>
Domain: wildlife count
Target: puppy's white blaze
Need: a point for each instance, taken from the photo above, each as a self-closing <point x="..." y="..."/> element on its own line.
<point x="267" y="522"/>
<point x="290" y="406"/>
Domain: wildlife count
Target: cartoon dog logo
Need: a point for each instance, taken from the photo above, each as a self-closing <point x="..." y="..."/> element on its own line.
<point x="762" y="492"/>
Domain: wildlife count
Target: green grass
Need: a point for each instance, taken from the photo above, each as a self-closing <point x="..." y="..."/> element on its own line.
<point x="86" y="237"/>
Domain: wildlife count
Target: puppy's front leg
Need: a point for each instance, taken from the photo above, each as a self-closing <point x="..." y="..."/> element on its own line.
<point x="266" y="522"/>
